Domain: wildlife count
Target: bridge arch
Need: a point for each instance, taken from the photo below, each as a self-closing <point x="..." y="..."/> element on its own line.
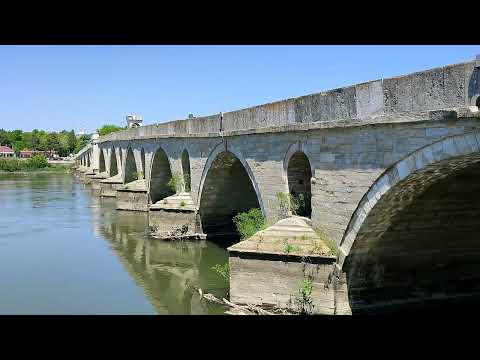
<point x="142" y="159"/>
<point x="227" y="187"/>
<point x="160" y="175"/>
<point x="131" y="172"/>
<point x="113" y="170"/>
<point x="101" y="162"/>
<point x="298" y="173"/>
<point x="186" y="170"/>
<point x="413" y="237"/>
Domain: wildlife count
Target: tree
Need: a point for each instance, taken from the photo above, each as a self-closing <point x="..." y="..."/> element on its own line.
<point x="53" y="142"/>
<point x="72" y="141"/>
<point x="81" y="142"/>
<point x="5" y="138"/>
<point x="109" y="128"/>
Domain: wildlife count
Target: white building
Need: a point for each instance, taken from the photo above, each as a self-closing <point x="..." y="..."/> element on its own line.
<point x="6" y="151"/>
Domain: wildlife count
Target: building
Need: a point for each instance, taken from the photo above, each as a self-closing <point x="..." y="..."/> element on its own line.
<point x="6" y="151"/>
<point x="25" y="154"/>
<point x="134" y="121"/>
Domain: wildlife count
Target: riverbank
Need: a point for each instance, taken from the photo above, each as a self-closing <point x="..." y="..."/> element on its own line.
<point x="33" y="165"/>
<point x="54" y="169"/>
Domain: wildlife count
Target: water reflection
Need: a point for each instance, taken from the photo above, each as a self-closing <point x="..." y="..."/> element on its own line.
<point x="64" y="250"/>
<point x="168" y="272"/>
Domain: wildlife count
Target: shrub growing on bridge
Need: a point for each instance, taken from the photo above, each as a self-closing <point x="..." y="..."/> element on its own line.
<point x="179" y="183"/>
<point x="248" y="223"/>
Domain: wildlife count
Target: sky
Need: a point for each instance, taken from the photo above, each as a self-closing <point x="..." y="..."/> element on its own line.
<point x="84" y="87"/>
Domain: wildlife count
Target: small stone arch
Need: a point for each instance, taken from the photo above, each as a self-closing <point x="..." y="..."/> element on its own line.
<point x="186" y="170"/>
<point x="298" y="173"/>
<point x="160" y="175"/>
<point x="142" y="159"/>
<point x="101" y="162"/>
<point x="113" y="170"/>
<point x="130" y="173"/>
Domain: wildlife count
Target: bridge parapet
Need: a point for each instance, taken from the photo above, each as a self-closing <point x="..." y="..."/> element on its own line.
<point x="444" y="87"/>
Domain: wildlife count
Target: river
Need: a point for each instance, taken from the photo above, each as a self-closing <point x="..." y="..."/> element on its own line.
<point x="64" y="250"/>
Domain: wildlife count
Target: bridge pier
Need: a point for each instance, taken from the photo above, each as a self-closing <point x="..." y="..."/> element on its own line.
<point x="95" y="180"/>
<point x="275" y="265"/>
<point x="109" y="187"/>
<point x="175" y="217"/>
<point x="133" y="196"/>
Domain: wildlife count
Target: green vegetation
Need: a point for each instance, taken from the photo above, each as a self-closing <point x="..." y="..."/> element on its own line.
<point x="332" y="245"/>
<point x="183" y="203"/>
<point x="140" y="175"/>
<point x="109" y="128"/>
<point x="296" y="204"/>
<point x="178" y="183"/>
<point x="63" y="142"/>
<point x="303" y="298"/>
<point x="289" y="248"/>
<point x="35" y="163"/>
<point x="248" y="223"/>
<point x="222" y="270"/>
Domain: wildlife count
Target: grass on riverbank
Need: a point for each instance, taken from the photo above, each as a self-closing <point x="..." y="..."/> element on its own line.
<point x="37" y="163"/>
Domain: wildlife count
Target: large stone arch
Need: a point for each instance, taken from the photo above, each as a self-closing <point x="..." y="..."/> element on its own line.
<point x="186" y="169"/>
<point x="160" y="174"/>
<point x="102" y="167"/>
<point x="213" y="155"/>
<point x="130" y="169"/>
<point x="412" y="238"/>
<point x="114" y="167"/>
<point x="142" y="160"/>
<point x="226" y="189"/>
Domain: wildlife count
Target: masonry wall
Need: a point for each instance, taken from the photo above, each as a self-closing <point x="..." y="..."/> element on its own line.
<point x="443" y="87"/>
<point x="276" y="281"/>
<point x="346" y="161"/>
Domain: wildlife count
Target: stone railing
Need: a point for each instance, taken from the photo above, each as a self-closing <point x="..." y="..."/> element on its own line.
<point x="445" y="87"/>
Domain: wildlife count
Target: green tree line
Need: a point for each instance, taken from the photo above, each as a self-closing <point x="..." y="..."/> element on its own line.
<point x="63" y="142"/>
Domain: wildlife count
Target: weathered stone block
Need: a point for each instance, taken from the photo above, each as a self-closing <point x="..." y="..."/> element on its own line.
<point x="109" y="189"/>
<point x="132" y="200"/>
<point x="169" y="223"/>
<point x="276" y="280"/>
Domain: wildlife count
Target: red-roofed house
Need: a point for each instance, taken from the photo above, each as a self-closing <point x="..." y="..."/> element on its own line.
<point x="6" y="151"/>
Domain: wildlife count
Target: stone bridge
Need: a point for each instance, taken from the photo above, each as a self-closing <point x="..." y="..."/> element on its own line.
<point x="388" y="170"/>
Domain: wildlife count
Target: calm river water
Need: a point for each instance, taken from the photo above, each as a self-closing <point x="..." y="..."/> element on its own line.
<point x="64" y="250"/>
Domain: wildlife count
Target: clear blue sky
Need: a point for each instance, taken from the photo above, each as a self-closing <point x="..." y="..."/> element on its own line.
<point x="75" y="87"/>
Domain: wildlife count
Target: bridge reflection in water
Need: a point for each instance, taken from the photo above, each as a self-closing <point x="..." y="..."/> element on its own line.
<point x="168" y="272"/>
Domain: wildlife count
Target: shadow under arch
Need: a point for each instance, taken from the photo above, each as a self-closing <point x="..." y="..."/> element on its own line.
<point x="101" y="162"/>
<point x="186" y="170"/>
<point x="142" y="159"/>
<point x="298" y="173"/>
<point x="412" y="243"/>
<point x="113" y="163"/>
<point x="131" y="172"/>
<point x="219" y="148"/>
<point x="161" y="174"/>
<point x="226" y="190"/>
